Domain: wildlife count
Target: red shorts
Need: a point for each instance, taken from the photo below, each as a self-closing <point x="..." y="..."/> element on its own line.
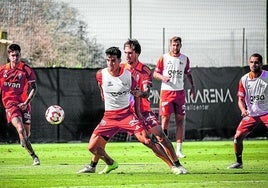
<point x="151" y="120"/>
<point x="172" y="102"/>
<point x="15" y="111"/>
<point x="123" y="120"/>
<point x="248" y="123"/>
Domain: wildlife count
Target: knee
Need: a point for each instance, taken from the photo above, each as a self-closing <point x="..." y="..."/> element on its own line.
<point x="146" y="141"/>
<point x="238" y="138"/>
<point x="95" y="149"/>
<point x="161" y="138"/>
<point x="20" y="131"/>
<point x="92" y="149"/>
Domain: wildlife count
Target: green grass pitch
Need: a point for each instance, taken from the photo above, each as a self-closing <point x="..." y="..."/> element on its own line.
<point x="206" y="162"/>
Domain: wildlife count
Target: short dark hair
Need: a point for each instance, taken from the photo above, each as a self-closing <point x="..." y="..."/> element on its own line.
<point x="13" y="47"/>
<point x="113" y="51"/>
<point x="258" y="56"/>
<point x="134" y="44"/>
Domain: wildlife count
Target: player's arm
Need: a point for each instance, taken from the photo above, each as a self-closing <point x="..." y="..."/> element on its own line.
<point x="146" y="84"/>
<point x="157" y="75"/>
<point x="99" y="82"/>
<point x="241" y="100"/>
<point x="101" y="91"/>
<point x="158" y="71"/>
<point x="188" y="73"/>
<point x="137" y="107"/>
<point x="190" y="79"/>
<point x="136" y="98"/>
<point x="242" y="106"/>
<point x="32" y="90"/>
<point x="144" y="93"/>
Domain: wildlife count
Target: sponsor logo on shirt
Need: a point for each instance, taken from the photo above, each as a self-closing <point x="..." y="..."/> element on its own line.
<point x="13" y="85"/>
<point x="115" y="94"/>
<point x="175" y="73"/>
<point x="256" y="98"/>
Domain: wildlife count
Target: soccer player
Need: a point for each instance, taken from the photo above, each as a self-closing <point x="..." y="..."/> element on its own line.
<point x="170" y="69"/>
<point x="115" y="84"/>
<point x="143" y="76"/>
<point x="18" y="87"/>
<point x="253" y="104"/>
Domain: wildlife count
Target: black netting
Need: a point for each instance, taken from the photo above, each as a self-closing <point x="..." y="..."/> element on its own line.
<point x="213" y="114"/>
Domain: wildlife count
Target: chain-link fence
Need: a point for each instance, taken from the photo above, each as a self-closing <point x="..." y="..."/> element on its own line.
<point x="75" y="34"/>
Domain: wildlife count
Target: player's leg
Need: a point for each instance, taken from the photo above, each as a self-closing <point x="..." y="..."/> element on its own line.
<point x="24" y="140"/>
<point x="166" y="108"/>
<point x="27" y="118"/>
<point x="158" y="150"/>
<point x="97" y="147"/>
<point x="246" y="125"/>
<point x="27" y="129"/>
<point x="179" y="113"/>
<point x="165" y="123"/>
<point x="36" y="160"/>
<point x="169" y="149"/>
<point x="238" y="149"/>
<point x="179" y="120"/>
<point x="91" y="167"/>
<point x="153" y="126"/>
<point x="165" y="142"/>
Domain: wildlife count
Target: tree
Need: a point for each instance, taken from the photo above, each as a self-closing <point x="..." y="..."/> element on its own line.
<point x="50" y="34"/>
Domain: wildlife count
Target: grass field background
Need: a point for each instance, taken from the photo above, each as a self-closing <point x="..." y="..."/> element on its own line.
<point x="206" y="162"/>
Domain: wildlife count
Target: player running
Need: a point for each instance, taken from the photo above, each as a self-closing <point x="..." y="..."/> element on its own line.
<point x="253" y="103"/>
<point x="143" y="76"/>
<point x="16" y="79"/>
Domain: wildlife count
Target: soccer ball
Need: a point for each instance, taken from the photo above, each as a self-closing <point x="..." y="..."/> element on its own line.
<point x="54" y="115"/>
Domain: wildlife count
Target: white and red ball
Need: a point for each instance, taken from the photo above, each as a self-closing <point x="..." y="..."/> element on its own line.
<point x="54" y="115"/>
